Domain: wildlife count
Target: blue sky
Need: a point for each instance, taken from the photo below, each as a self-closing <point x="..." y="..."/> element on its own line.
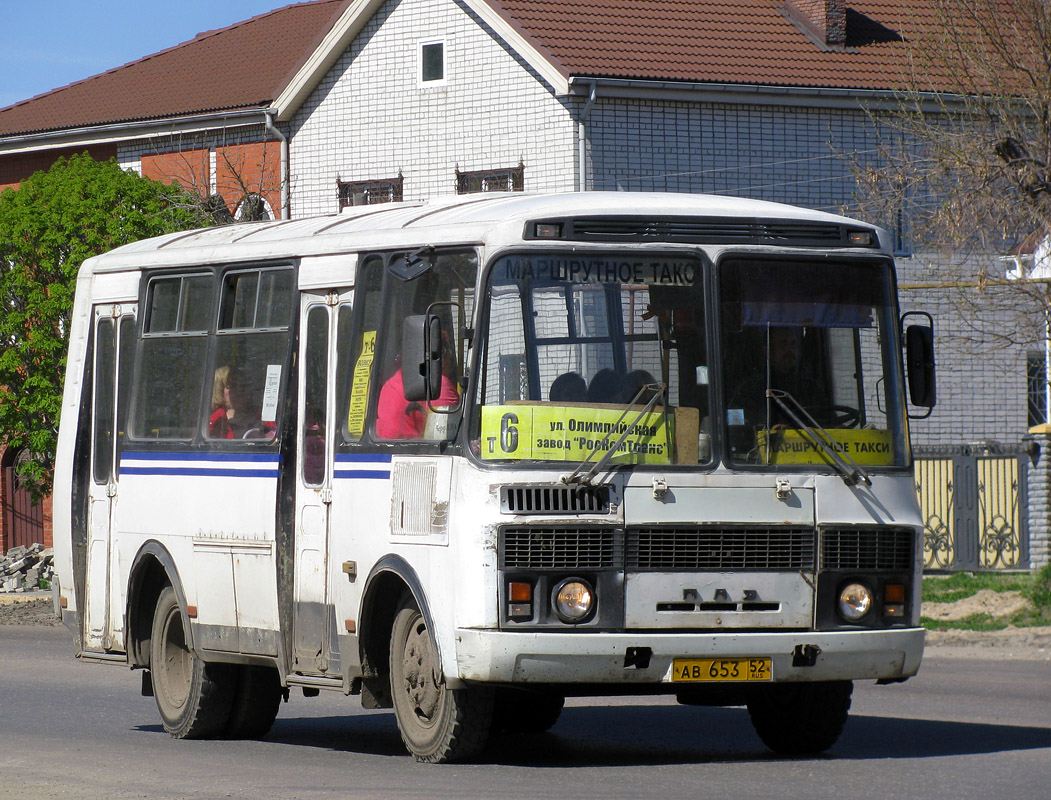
<point x="50" y="43"/>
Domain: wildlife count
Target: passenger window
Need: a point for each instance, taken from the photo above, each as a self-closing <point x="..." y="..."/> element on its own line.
<point x="171" y="356"/>
<point x="250" y="354"/>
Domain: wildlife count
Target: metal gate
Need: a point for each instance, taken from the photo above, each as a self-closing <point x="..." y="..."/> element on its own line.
<point x="974" y="504"/>
<point x="23" y="519"/>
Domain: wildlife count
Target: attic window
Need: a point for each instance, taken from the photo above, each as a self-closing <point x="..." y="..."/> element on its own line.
<point x="432" y="62"/>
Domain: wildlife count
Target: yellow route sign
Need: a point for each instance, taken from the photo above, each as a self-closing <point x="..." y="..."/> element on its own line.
<point x="359" y="390"/>
<point x="870" y="447"/>
<point x="569" y="433"/>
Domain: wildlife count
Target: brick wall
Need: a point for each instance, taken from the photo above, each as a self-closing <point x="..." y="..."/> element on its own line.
<point x="231" y="163"/>
<point x="370" y="118"/>
<point x="16" y="167"/>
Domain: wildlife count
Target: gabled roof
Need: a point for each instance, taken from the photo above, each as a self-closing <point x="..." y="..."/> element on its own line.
<point x="275" y="60"/>
<point x="719" y="41"/>
<point x="243" y="66"/>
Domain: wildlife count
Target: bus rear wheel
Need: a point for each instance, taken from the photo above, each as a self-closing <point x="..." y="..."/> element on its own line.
<point x="193" y="697"/>
<point x="438" y="725"/>
<point x="800" y="718"/>
<point x="255" y="703"/>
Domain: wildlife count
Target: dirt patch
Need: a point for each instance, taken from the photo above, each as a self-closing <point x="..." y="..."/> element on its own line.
<point x="16" y="610"/>
<point x="986" y="601"/>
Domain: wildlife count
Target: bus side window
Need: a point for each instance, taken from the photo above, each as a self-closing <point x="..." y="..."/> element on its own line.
<point x="251" y="351"/>
<point x="357" y="346"/>
<point x="171" y="356"/>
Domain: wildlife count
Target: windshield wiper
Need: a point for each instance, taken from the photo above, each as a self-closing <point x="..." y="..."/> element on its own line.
<point x="658" y="390"/>
<point x="848" y="468"/>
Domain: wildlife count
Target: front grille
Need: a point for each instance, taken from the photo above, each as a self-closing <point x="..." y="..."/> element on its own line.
<point x="867" y="548"/>
<point x="701" y="230"/>
<point x="721" y="549"/>
<point x="560" y="548"/>
<point x="554" y="499"/>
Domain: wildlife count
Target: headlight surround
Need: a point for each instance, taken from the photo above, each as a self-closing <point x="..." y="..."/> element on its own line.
<point x="855" y="601"/>
<point x="573" y="600"/>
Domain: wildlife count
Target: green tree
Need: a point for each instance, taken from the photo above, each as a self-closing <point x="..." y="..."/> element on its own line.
<point x="48" y="226"/>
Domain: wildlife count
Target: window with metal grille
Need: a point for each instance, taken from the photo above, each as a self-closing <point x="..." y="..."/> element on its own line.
<point x="491" y="180"/>
<point x="1036" y="381"/>
<point x="366" y="193"/>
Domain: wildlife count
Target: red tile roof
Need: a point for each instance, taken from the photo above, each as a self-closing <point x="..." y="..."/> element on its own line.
<point x="243" y="66"/>
<point x="748" y="42"/>
<point x="723" y="41"/>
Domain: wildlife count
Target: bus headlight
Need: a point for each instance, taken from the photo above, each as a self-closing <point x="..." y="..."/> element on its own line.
<point x="573" y="600"/>
<point x="855" y="600"/>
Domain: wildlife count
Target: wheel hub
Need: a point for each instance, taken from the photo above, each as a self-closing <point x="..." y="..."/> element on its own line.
<point x="422" y="682"/>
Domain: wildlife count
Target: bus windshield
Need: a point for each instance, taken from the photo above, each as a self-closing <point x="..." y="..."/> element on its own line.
<point x="810" y="364"/>
<point x="606" y="357"/>
<point x="595" y="355"/>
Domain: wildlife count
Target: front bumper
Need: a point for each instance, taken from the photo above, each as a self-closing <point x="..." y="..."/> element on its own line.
<point x="599" y="658"/>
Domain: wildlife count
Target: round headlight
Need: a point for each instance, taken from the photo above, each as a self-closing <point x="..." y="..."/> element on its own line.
<point x="574" y="600"/>
<point x="855" y="600"/>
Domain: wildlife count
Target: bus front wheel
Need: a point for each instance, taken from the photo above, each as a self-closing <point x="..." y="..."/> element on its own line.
<point x="193" y="697"/>
<point x="437" y="724"/>
<point x="800" y="718"/>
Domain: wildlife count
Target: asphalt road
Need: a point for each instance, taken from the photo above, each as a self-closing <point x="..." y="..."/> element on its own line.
<point x="965" y="727"/>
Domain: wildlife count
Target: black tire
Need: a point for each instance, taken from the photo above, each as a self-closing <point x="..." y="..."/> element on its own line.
<point x="524" y="711"/>
<point x="800" y="718"/>
<point x="193" y="697"/>
<point x="438" y="725"/>
<point x="255" y="703"/>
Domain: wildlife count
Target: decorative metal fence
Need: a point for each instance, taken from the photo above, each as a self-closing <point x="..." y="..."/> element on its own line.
<point x="975" y="507"/>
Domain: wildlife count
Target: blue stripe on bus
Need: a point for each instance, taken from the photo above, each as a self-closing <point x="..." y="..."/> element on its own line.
<point x="363" y="460"/>
<point x="214" y="472"/>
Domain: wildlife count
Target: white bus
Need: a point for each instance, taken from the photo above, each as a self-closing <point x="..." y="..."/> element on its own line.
<point x="465" y="458"/>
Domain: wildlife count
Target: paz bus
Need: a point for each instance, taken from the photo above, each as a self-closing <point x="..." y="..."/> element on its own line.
<point x="467" y="457"/>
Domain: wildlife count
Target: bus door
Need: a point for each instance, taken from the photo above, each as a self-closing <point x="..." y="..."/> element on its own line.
<point x="313" y="623"/>
<point x="114" y="341"/>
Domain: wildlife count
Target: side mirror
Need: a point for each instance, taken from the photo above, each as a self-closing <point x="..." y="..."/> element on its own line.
<point x="919" y="364"/>
<point x="421" y="357"/>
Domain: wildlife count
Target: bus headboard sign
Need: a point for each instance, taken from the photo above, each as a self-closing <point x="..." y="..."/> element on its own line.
<point x="547" y="432"/>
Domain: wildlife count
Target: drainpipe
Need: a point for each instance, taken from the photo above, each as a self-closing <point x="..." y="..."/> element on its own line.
<point x="581" y="143"/>
<point x="272" y="128"/>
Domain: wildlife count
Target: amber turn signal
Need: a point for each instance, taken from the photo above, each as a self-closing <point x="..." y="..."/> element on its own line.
<point x="520" y="592"/>
<point x="894" y="593"/>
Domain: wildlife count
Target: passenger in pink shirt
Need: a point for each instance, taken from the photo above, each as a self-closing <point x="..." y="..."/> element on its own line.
<point x="398" y="418"/>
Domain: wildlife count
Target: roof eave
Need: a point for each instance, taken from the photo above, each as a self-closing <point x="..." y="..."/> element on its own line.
<point x="136" y="129"/>
<point x="755" y="94"/>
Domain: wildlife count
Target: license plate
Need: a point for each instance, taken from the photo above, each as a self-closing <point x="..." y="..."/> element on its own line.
<point x="721" y="669"/>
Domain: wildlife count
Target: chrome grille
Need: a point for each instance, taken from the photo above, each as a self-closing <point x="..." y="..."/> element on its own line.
<point x="560" y="548"/>
<point x="867" y="548"/>
<point x="721" y="549"/>
<point x="554" y="499"/>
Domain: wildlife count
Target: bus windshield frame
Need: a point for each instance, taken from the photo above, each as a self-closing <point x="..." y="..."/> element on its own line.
<point x="559" y="382"/>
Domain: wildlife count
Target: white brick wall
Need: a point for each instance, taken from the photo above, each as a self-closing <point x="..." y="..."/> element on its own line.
<point x="370" y="118"/>
<point x="784" y="154"/>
